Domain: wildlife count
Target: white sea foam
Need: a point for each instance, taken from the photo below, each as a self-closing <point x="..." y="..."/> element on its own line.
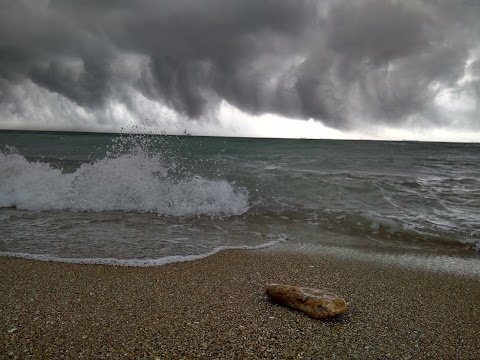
<point x="433" y="263"/>
<point x="127" y="182"/>
<point x="398" y="225"/>
<point x="139" y="262"/>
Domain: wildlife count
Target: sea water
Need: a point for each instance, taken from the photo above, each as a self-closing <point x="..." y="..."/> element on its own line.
<point x="151" y="199"/>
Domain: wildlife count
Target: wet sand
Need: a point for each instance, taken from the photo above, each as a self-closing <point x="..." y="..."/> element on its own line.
<point x="216" y="307"/>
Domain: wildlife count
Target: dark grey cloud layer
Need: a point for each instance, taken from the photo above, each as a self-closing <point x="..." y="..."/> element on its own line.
<point x="342" y="62"/>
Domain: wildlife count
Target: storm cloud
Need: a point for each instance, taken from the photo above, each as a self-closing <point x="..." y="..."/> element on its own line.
<point x="344" y="63"/>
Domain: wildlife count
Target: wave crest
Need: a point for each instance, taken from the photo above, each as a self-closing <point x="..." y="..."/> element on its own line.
<point x="137" y="181"/>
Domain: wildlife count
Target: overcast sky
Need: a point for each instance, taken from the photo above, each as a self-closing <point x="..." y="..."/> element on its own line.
<point x="387" y="69"/>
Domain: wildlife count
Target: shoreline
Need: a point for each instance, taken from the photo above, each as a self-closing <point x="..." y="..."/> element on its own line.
<point x="459" y="261"/>
<point x="216" y="306"/>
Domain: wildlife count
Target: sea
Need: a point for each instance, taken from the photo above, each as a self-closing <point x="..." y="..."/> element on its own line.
<point x="146" y="199"/>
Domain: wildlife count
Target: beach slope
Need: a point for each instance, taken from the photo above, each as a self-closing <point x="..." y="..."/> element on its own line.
<point x="216" y="307"/>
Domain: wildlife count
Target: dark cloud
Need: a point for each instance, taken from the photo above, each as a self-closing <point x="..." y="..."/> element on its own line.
<point x="334" y="61"/>
<point x="379" y="31"/>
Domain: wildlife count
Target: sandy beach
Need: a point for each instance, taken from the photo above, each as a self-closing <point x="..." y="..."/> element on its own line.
<point x="216" y="308"/>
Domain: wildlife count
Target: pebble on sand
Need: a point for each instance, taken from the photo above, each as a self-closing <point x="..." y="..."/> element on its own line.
<point x="316" y="303"/>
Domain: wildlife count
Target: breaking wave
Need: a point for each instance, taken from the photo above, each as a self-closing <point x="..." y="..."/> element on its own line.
<point x="135" y="181"/>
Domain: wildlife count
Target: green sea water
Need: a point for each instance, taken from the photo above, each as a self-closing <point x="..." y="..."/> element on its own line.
<point x="154" y="198"/>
